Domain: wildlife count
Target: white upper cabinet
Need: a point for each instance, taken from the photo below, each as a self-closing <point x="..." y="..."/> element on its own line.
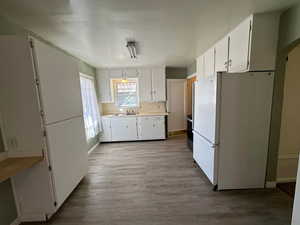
<point x="145" y="84"/>
<point x="131" y="72"/>
<point x="151" y="82"/>
<point x="209" y="62"/>
<point x="264" y="38"/>
<point x="103" y="81"/>
<point x="239" y="47"/>
<point x="123" y="73"/>
<point x="158" y="84"/>
<point x="116" y="73"/>
<point x="200" y="66"/>
<point x="251" y="46"/>
<point x="221" y="57"/>
<point x="253" y="43"/>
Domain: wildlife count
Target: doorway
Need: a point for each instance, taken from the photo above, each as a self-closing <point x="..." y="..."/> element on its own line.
<point x="289" y="143"/>
<point x="176" y="106"/>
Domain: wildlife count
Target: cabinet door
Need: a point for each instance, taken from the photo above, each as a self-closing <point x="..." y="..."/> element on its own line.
<point x="209" y="62"/>
<point x="116" y="73"/>
<point x="106" y="130"/>
<point x="159" y="127"/>
<point x="19" y="108"/>
<point x="124" y="129"/>
<point x="145" y="85"/>
<point x="200" y="66"/>
<point x="131" y="72"/>
<point x="151" y="128"/>
<point x="68" y="155"/>
<point x="59" y="83"/>
<point x="222" y="55"/>
<point x="239" y="45"/>
<point x="159" y="84"/>
<point x="104" y="88"/>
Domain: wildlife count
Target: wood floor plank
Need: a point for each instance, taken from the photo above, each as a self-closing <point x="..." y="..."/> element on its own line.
<point x="157" y="183"/>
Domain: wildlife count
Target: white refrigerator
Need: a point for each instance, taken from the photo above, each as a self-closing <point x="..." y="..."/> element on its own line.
<point x="231" y="128"/>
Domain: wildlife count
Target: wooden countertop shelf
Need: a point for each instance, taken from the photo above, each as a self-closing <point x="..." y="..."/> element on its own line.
<point x="11" y="166"/>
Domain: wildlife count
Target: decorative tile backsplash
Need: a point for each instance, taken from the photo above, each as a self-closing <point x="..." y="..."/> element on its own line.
<point x="145" y="107"/>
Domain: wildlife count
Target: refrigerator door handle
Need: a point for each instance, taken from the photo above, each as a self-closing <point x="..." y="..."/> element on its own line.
<point x="212" y="145"/>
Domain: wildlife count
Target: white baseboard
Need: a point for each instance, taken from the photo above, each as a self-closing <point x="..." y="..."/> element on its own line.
<point x="271" y="184"/>
<point x="286" y="179"/>
<point x="93" y="148"/>
<point x="16" y="222"/>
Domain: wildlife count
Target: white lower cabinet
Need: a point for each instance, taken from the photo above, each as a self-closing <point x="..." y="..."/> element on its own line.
<point x="124" y="129"/>
<point x="151" y="128"/>
<point x="133" y="128"/>
<point x="106" y="129"/>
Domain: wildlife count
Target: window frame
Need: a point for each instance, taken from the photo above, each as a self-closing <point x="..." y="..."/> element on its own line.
<point x="114" y="82"/>
<point x="92" y="78"/>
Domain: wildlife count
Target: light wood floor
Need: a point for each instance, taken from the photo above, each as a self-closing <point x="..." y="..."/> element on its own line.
<point x="157" y="183"/>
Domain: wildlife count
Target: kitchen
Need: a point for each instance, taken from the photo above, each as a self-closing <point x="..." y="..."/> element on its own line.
<point x="142" y="115"/>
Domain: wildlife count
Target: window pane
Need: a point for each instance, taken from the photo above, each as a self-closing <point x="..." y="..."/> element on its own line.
<point x="126" y="93"/>
<point x="90" y="108"/>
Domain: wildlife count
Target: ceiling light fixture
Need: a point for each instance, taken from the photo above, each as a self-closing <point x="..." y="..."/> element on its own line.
<point x="131" y="45"/>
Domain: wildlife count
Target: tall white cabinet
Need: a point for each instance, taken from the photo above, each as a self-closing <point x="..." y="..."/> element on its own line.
<point x="42" y="111"/>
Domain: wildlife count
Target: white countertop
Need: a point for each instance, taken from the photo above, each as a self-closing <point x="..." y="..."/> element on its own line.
<point x="137" y="115"/>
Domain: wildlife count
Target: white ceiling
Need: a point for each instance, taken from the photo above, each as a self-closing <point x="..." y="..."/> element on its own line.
<point x="171" y="32"/>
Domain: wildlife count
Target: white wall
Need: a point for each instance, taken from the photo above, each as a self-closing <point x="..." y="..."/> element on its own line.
<point x="176" y="90"/>
<point x="289" y="146"/>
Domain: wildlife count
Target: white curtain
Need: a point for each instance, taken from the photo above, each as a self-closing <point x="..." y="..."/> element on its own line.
<point x="90" y="107"/>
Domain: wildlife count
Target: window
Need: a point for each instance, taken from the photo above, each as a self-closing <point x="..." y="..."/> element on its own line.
<point x="126" y="95"/>
<point x="90" y="107"/>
